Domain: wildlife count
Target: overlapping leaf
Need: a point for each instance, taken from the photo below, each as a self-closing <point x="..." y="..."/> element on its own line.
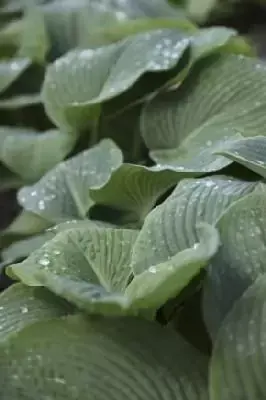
<point x="172" y="226"/>
<point x="30" y="154"/>
<point x="87" y="266"/>
<point x="64" y="192"/>
<point x="31" y="48"/>
<point x="135" y="189"/>
<point x="250" y="152"/>
<point x="107" y="358"/>
<point x="222" y="99"/>
<point x="94" y="23"/>
<point x="107" y="72"/>
<point x="238" y="360"/>
<point x="21" y="306"/>
<point x="163" y="281"/>
<point x="240" y="260"/>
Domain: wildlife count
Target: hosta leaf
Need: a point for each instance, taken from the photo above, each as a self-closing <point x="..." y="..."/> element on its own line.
<point x="222" y="99"/>
<point x="88" y="266"/>
<point x="30" y="154"/>
<point x="76" y="358"/>
<point x="107" y="72"/>
<point x="172" y="226"/>
<point x="94" y="23"/>
<point x="10" y="70"/>
<point x="166" y="280"/>
<point x="64" y="192"/>
<point x="250" y="152"/>
<point x="21" y="306"/>
<point x="238" y="360"/>
<point x="240" y="260"/>
<point x="135" y="188"/>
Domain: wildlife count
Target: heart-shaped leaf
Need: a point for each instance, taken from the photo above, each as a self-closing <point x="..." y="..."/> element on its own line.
<point x="240" y="260"/>
<point x="161" y="282"/>
<point x="238" y="359"/>
<point x="107" y="72"/>
<point x="74" y="357"/>
<point x="89" y="267"/>
<point x="30" y="154"/>
<point x="172" y="226"/>
<point x="222" y="99"/>
<point x="21" y="306"/>
<point x="64" y="192"/>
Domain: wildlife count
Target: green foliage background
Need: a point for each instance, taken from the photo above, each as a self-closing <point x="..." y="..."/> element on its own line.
<point x="136" y="144"/>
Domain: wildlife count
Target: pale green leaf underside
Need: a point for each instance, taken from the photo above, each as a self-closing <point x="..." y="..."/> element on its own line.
<point x="171" y="227"/>
<point x="75" y="358"/>
<point x="135" y="189"/>
<point x="30" y="154"/>
<point x="238" y="361"/>
<point x="64" y="192"/>
<point x="81" y="79"/>
<point x="161" y="282"/>
<point x="218" y="102"/>
<point x="87" y="266"/>
<point x="250" y="152"/>
<point x="240" y="259"/>
<point x="21" y="306"/>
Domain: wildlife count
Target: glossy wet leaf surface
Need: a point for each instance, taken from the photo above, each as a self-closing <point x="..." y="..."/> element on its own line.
<point x="219" y="102"/>
<point x="64" y="192"/>
<point x="102" y="353"/>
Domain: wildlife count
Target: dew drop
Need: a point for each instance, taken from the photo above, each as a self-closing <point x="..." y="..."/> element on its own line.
<point x="152" y="269"/>
<point x="44" y="262"/>
<point x="24" y="310"/>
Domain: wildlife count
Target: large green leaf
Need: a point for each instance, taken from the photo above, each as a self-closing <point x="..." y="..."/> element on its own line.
<point x="240" y="260"/>
<point x="222" y="99"/>
<point x="250" y="152"/>
<point x="79" y="81"/>
<point x="87" y="266"/>
<point x="64" y="192"/>
<point x="172" y="226"/>
<point x="21" y="306"/>
<point x="135" y="189"/>
<point x="161" y="282"/>
<point x="238" y="360"/>
<point x="112" y="70"/>
<point x="30" y="154"/>
<point x="91" y="23"/>
<point x="78" y="358"/>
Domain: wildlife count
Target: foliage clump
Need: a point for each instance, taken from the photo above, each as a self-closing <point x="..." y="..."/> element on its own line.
<point x="136" y="143"/>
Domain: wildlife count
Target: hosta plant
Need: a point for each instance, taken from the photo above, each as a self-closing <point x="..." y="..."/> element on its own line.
<point x="137" y="259"/>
